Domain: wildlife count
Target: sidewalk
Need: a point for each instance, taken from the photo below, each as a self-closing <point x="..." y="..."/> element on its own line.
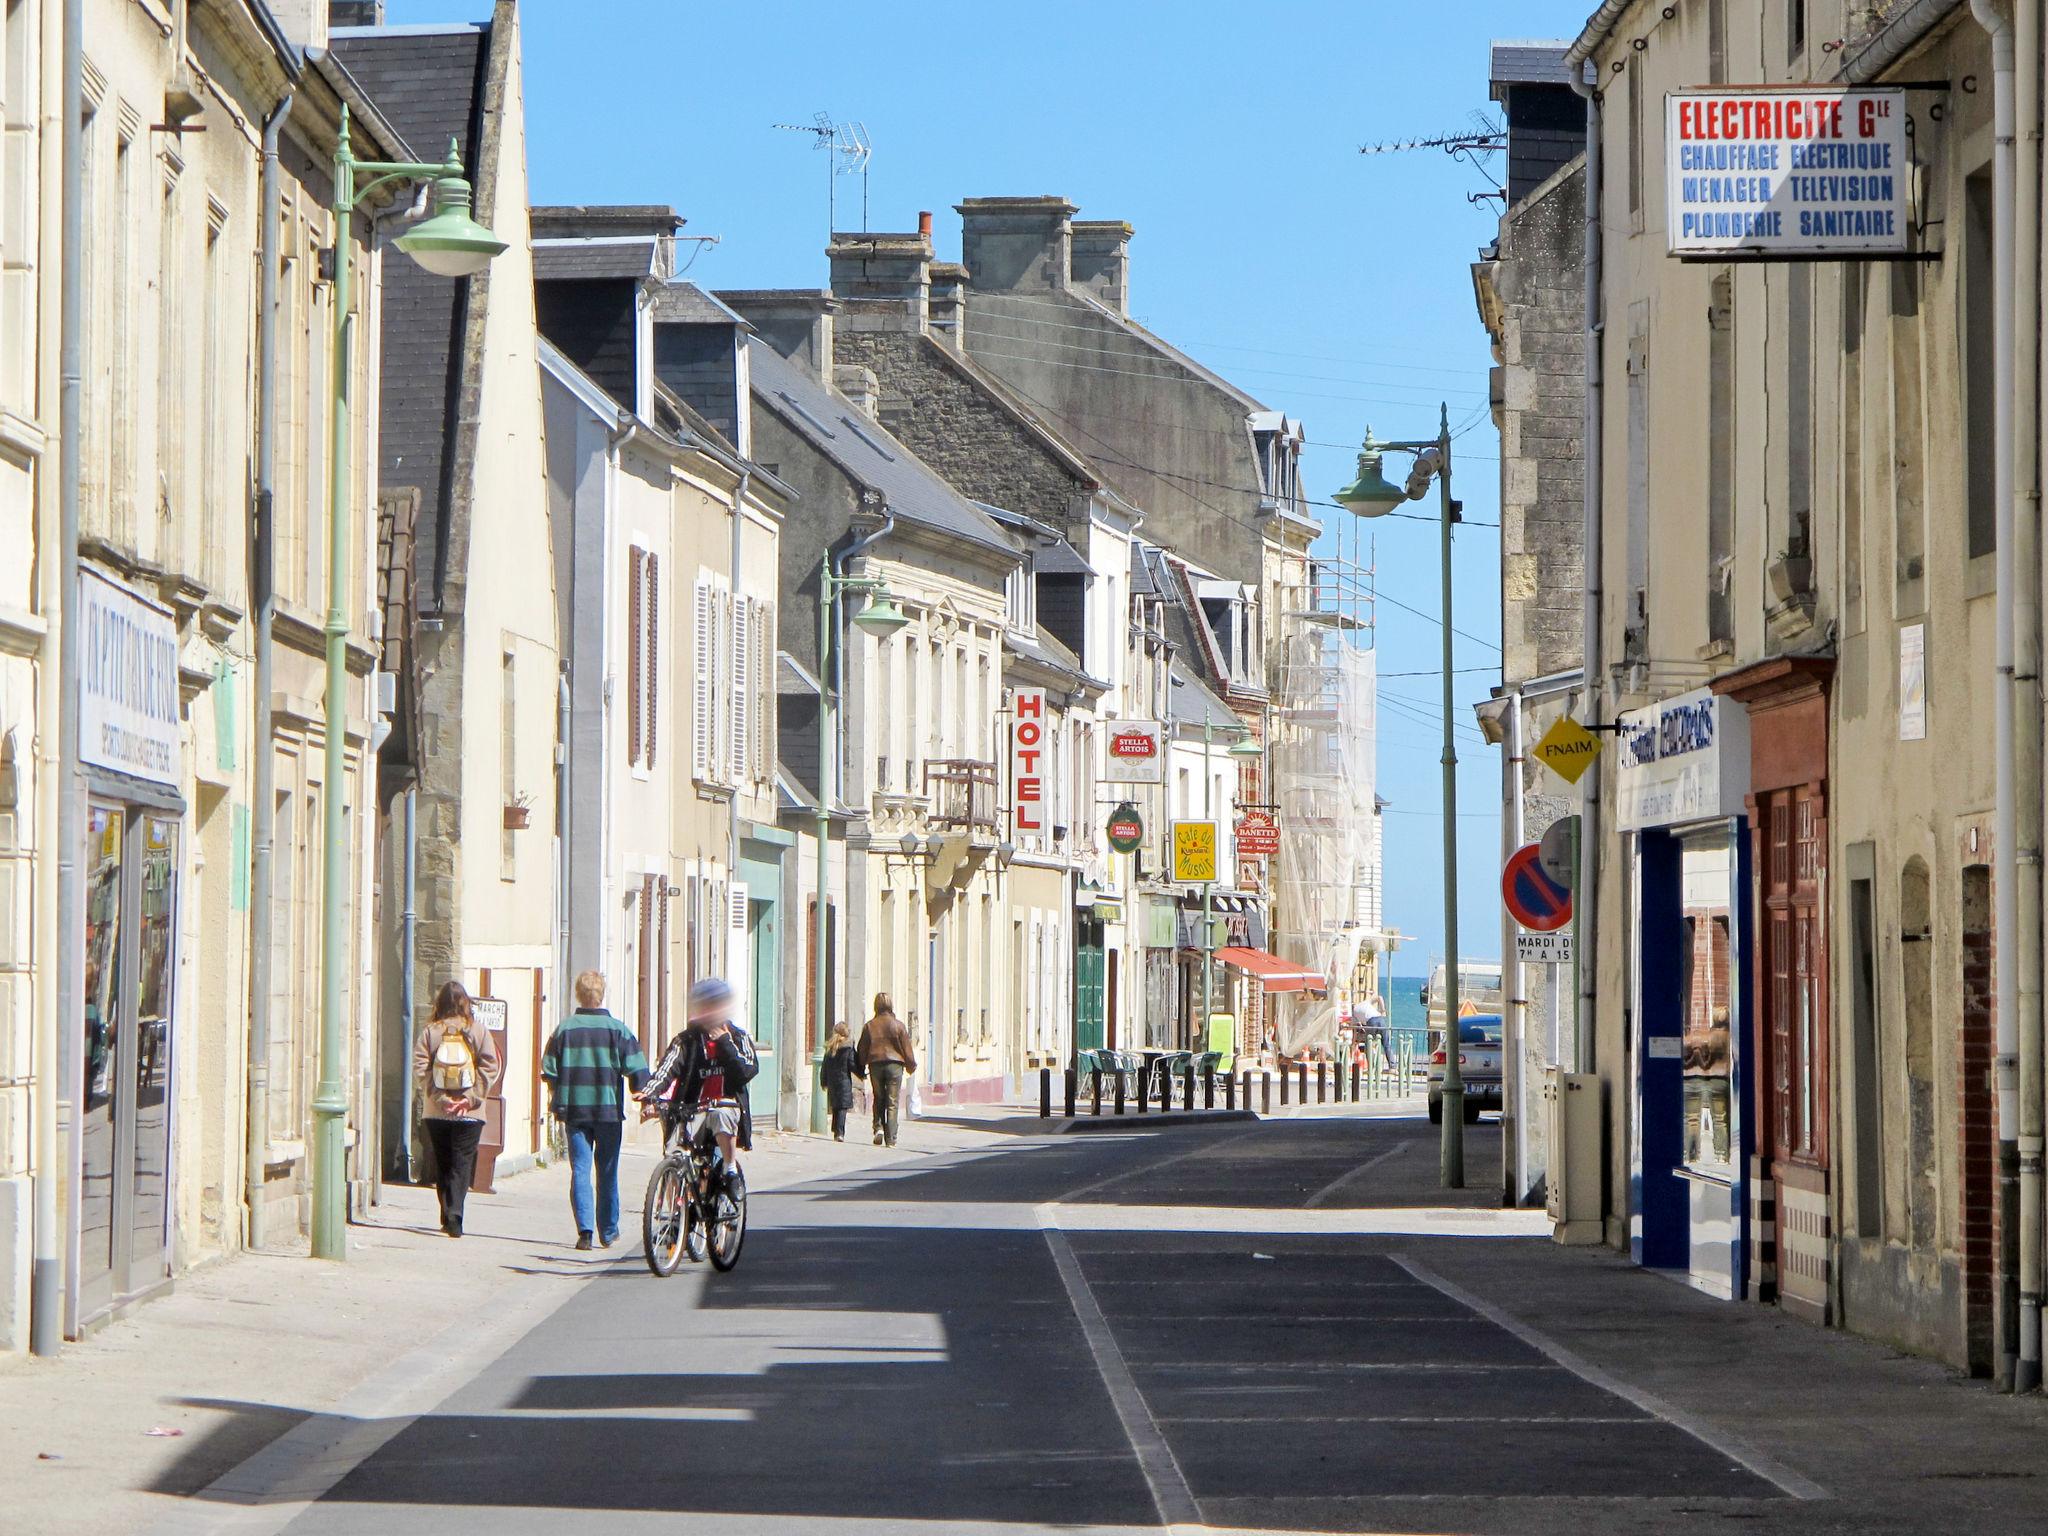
<point x="77" y="1454"/>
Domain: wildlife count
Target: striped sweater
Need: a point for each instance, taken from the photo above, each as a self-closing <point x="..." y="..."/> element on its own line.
<point x="585" y="1058"/>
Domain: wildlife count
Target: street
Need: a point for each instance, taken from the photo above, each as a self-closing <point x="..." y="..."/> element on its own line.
<point x="1271" y="1326"/>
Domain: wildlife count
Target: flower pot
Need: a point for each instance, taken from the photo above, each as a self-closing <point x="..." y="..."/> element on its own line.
<point x="516" y="817"/>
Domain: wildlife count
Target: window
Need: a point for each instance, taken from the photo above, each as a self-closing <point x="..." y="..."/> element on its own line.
<point x="1721" y="459"/>
<point x="1635" y="145"/>
<point x="1978" y="381"/>
<point x="1020" y="595"/>
<point x="214" y="556"/>
<point x="169" y="499"/>
<point x="1908" y="484"/>
<point x="704" y="664"/>
<point x="121" y="345"/>
<point x="884" y="717"/>
<point x="643" y="655"/>
<point x="20" y="193"/>
<point x="1795" y="29"/>
<point x="1798" y="531"/>
<point x="508" y="740"/>
<point x="738" y="681"/>
<point x="1852" y="448"/>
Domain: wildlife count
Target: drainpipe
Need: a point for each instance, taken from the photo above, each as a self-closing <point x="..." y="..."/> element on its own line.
<point x="1515" y="1164"/>
<point x="829" y="681"/>
<point x="1585" y="892"/>
<point x="263" y="592"/>
<point x="2027" y="781"/>
<point x="408" y="975"/>
<point x="732" y="810"/>
<point x="46" y="1280"/>
<point x="2005" y="819"/>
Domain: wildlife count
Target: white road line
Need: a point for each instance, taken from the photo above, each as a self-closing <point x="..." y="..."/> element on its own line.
<point x="1363" y="1168"/>
<point x="1164" y="1162"/>
<point x="1370" y="1418"/>
<point x="1770" y="1471"/>
<point x="1178" y="1510"/>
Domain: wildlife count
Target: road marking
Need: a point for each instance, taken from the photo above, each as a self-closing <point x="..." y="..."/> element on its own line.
<point x="1373" y="1418"/>
<point x="1338" y="1183"/>
<point x="1786" y="1480"/>
<point x="1177" y="1508"/>
<point x="1164" y="1162"/>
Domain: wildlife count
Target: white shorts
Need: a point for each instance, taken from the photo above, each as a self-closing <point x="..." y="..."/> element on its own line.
<point x="723" y="1119"/>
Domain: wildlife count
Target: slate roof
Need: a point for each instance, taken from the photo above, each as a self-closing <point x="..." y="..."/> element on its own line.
<point x="428" y="85"/>
<point x="1051" y="553"/>
<point x="1189" y="700"/>
<point x="1528" y="61"/>
<point x="570" y="260"/>
<point x="867" y="453"/>
<point x="681" y="303"/>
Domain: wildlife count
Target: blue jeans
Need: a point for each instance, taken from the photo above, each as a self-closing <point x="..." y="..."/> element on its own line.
<point x="597" y="1139"/>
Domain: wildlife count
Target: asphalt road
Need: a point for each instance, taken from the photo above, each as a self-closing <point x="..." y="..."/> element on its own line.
<point x="1198" y="1329"/>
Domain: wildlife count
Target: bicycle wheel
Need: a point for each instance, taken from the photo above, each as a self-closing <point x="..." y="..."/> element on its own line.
<point x="664" y="1217"/>
<point x="729" y="1230"/>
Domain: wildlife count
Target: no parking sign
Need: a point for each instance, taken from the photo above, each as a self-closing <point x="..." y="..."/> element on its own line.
<point x="1535" y="900"/>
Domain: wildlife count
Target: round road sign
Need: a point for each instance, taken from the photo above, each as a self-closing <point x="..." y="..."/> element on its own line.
<point x="1535" y="900"/>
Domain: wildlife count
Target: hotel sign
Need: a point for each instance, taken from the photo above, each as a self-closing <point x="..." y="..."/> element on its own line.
<point x="1757" y="171"/>
<point x="127" y="682"/>
<point x="1027" y="761"/>
<point x="1686" y="759"/>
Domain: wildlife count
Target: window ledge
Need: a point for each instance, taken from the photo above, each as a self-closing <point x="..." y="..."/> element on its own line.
<point x="21" y="437"/>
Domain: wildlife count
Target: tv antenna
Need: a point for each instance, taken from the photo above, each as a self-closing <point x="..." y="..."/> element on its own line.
<point x="1485" y="138"/>
<point x="847" y="153"/>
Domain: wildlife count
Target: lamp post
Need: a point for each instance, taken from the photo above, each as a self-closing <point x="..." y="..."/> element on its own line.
<point x="1241" y="749"/>
<point x="881" y="617"/>
<point x="449" y="243"/>
<point x="1370" y="495"/>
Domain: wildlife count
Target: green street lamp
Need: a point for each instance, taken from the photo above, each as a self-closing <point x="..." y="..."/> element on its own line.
<point x="1372" y="495"/>
<point x="449" y="244"/>
<point x="881" y="616"/>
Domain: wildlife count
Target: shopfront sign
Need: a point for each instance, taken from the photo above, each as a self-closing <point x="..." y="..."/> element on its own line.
<point x="1759" y="171"/>
<point x="1027" y="761"/>
<point x="1194" y="852"/>
<point x="127" y="682"/>
<point x="1126" y="828"/>
<point x="1135" y="753"/>
<point x="1686" y="759"/>
<point x="1567" y="749"/>
<point x="1258" y="835"/>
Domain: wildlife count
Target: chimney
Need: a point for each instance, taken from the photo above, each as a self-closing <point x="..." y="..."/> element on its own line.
<point x="882" y="282"/>
<point x="1102" y="261"/>
<point x="355" y="13"/>
<point x="796" y="322"/>
<point x="1017" y="244"/>
<point x="858" y="383"/>
<point x="947" y="307"/>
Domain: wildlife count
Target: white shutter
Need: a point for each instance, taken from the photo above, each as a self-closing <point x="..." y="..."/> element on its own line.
<point x="764" y="694"/>
<point x="700" y="693"/>
<point x="742" y="669"/>
<point x="739" y="959"/>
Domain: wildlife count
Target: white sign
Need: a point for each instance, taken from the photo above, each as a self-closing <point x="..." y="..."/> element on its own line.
<point x="127" y="681"/>
<point x="1686" y="759"/>
<point x="1543" y="948"/>
<point x="1134" y="752"/>
<point x="1912" y="682"/>
<point x="1786" y="171"/>
<point x="1027" y="762"/>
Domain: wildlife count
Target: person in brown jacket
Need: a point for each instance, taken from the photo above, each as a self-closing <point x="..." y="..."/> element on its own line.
<point x="884" y="1056"/>
<point x="455" y="1065"/>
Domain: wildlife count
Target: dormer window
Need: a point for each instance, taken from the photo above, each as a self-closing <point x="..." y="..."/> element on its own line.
<point x="1020" y="596"/>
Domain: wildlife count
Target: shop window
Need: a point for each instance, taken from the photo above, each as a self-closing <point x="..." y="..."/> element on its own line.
<point x="1707" y="1012"/>
<point x="1978" y="368"/>
<point x="1868" y="1106"/>
<point x="1910" y="1208"/>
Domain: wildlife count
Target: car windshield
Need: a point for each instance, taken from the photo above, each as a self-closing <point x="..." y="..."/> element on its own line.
<point x="1479" y="1029"/>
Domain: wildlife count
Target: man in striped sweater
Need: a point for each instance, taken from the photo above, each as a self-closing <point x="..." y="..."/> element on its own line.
<point x="586" y="1058"/>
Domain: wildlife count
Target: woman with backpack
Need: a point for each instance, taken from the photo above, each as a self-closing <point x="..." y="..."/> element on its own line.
<point x="456" y="1065"/>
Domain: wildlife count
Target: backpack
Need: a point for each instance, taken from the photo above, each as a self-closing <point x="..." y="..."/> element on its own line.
<point x="454" y="1064"/>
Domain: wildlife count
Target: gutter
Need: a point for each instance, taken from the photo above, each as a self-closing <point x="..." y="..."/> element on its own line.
<point x="364" y="114"/>
<point x="1595" y="32"/>
<point x="1904" y="32"/>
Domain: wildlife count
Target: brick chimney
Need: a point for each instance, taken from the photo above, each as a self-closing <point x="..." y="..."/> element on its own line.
<point x="1102" y="261"/>
<point x="1017" y="244"/>
<point x="946" y="310"/>
<point x="882" y="282"/>
<point x="796" y="322"/>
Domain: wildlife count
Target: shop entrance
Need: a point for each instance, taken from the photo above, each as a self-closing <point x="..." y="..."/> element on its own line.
<point x="1090" y="982"/>
<point x="127" y="1036"/>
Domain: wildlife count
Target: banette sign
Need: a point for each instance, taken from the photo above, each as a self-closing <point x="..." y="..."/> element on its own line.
<point x="1757" y="171"/>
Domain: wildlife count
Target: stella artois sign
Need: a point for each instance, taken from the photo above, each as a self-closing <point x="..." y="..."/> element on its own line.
<point x="1126" y="828"/>
<point x="1136" y="753"/>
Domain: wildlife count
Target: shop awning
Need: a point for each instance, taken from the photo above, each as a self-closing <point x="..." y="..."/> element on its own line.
<point x="1278" y="975"/>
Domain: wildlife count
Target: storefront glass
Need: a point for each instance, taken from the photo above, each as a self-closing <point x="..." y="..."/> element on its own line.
<point x="1707" y="1007"/>
<point x="101" y="1045"/>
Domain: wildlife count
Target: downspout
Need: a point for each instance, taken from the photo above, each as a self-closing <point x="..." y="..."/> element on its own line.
<point x="732" y="810"/>
<point x="46" y="1281"/>
<point x="2027" y="782"/>
<point x="1516" y="1154"/>
<point x="1585" y="894"/>
<point x="828" y="776"/>
<point x="2005" y="819"/>
<point x="408" y="974"/>
<point x="263" y="592"/>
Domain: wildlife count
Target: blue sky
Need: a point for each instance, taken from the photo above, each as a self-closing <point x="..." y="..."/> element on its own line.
<point x="1334" y="286"/>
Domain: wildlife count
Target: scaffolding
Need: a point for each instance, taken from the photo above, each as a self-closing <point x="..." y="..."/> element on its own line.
<point x="1325" y="881"/>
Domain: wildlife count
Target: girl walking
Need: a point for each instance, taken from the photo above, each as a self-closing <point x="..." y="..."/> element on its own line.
<point x="840" y="1067"/>
<point x="456" y="1065"/>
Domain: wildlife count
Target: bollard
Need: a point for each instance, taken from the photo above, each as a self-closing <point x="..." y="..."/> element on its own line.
<point x="1119" y="1093"/>
<point x="1322" y="1082"/>
<point x="1165" y="1089"/>
<point x="1230" y="1091"/>
<point x="1045" y="1093"/>
<point x="1283" y="1087"/>
<point x="1072" y="1082"/>
<point x="1187" y="1092"/>
<point x="1337" y="1082"/>
<point x="1354" y="1080"/>
<point x="1302" y="1068"/>
<point x="1208" y="1087"/>
<point x="1095" y="1087"/>
<point x="1265" y="1094"/>
<point x="1144" y="1086"/>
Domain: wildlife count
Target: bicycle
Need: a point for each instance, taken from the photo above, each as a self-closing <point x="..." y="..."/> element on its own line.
<point x="683" y="1216"/>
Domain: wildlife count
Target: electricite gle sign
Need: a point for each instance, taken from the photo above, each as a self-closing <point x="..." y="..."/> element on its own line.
<point x="1756" y="171"/>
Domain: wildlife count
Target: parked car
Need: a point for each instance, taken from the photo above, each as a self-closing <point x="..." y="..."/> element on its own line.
<point x="1479" y="1037"/>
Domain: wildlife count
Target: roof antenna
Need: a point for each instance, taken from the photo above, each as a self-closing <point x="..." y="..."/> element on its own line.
<point x="847" y="152"/>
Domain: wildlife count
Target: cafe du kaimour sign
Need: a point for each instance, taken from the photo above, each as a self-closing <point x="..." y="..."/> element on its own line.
<point x="1793" y="172"/>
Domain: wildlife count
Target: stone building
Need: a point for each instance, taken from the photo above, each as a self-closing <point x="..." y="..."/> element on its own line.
<point x="1530" y="288"/>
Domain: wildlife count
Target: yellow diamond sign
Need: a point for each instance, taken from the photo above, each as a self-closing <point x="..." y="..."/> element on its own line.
<point x="1568" y="749"/>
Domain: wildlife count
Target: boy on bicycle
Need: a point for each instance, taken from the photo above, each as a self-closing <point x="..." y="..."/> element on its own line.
<point x="709" y="1065"/>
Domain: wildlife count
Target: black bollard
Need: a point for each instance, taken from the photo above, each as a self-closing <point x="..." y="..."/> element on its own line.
<point x="1283" y="1087"/>
<point x="1165" y="1089"/>
<point x="1187" y="1093"/>
<point x="1073" y="1081"/>
<point x="1144" y="1086"/>
<point x="1302" y="1067"/>
<point x="1119" y="1093"/>
<point x="1045" y="1093"/>
<point x="1322" y="1082"/>
<point x="1265" y="1094"/>
<point x="1208" y="1087"/>
<point x="1354" y="1080"/>
<point x="1095" y="1087"/>
<point x="1230" y="1090"/>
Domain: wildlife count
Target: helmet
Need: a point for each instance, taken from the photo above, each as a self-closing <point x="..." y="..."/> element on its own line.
<point x="709" y="995"/>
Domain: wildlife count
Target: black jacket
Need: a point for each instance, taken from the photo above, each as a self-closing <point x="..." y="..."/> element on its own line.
<point x="838" y="1071"/>
<point x="688" y="1059"/>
